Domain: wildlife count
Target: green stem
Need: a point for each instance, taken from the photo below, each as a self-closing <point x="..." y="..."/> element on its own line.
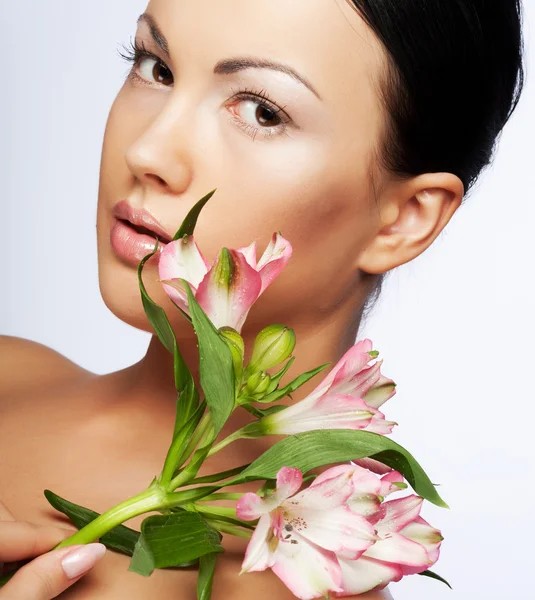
<point x="222" y="496"/>
<point x="231" y="529"/>
<point x="219" y="476"/>
<point x="199" y="435"/>
<point x="152" y="499"/>
<point x="149" y="500"/>
<point x="184" y="443"/>
<point x="228" y="440"/>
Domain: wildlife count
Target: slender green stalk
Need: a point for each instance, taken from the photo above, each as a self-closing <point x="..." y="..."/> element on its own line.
<point x="230" y="529"/>
<point x="152" y="499"/>
<point x="199" y="435"/>
<point x="222" y="496"/>
<point x="219" y="476"/>
<point x="228" y="440"/>
<point x="149" y="500"/>
<point x="183" y="445"/>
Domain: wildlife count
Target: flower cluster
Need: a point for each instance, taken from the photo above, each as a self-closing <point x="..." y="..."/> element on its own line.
<point x="227" y="289"/>
<point x="338" y="536"/>
<point x="348" y="398"/>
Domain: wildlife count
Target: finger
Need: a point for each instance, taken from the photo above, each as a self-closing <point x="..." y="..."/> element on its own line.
<point x="52" y="573"/>
<point x="5" y="515"/>
<point x="21" y="539"/>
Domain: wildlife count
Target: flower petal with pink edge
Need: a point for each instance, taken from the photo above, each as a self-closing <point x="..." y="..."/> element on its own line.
<point x="355" y="378"/>
<point x="332" y="472"/>
<point x="258" y="555"/>
<point x="373" y="465"/>
<point x="274" y="259"/>
<point x="182" y="259"/>
<point x="250" y="254"/>
<point x="388" y="482"/>
<point x="356" y="358"/>
<point x="430" y="538"/>
<point x="307" y="571"/>
<point x="328" y="412"/>
<point x="382" y="391"/>
<point x="288" y="482"/>
<point x="330" y="490"/>
<point x="227" y="303"/>
<point x="365" y="574"/>
<point x="397" y="514"/>
<point x="337" y="529"/>
<point x="379" y="424"/>
<point x="250" y="507"/>
<point x="176" y="290"/>
<point x="396" y="548"/>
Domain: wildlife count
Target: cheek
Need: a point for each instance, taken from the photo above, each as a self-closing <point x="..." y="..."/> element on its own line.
<point x="317" y="196"/>
<point x="313" y="191"/>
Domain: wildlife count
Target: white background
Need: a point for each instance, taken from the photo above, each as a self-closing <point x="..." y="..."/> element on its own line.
<point x="455" y="326"/>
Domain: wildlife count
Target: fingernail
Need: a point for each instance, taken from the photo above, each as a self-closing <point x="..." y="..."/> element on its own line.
<point x="79" y="561"/>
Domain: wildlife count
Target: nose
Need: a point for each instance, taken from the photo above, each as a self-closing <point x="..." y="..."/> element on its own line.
<point x="159" y="157"/>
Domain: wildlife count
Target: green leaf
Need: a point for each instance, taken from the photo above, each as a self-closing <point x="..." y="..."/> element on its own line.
<point x="189" y="223"/>
<point x="219" y="476"/>
<point x="120" y="538"/>
<point x="187" y="405"/>
<point x="264" y="412"/>
<point x="142" y="560"/>
<point x="173" y="540"/>
<point x="216" y="365"/>
<point x="206" y="576"/>
<point x="293" y="385"/>
<point x="306" y="451"/>
<point x="435" y="576"/>
<point x="279" y="375"/>
<point x="155" y="313"/>
<point x="184" y="383"/>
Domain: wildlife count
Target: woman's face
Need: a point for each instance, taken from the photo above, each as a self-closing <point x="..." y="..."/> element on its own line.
<point x="288" y="144"/>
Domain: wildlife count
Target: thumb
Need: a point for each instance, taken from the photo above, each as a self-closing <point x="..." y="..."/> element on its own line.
<point x="50" y="574"/>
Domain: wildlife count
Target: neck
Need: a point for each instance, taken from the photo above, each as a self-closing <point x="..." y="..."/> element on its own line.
<point x="150" y="382"/>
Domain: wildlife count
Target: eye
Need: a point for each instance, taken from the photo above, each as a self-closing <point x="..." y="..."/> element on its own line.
<point x="147" y="67"/>
<point x="255" y="113"/>
<point x="153" y="69"/>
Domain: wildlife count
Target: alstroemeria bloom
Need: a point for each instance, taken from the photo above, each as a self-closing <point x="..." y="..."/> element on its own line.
<point x="347" y="398"/>
<point x="407" y="544"/>
<point x="300" y="535"/>
<point x="227" y="289"/>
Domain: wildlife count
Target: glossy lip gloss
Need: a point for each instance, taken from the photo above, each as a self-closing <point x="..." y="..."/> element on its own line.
<point x="126" y="241"/>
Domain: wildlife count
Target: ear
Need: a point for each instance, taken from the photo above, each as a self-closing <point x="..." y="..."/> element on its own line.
<point x="412" y="214"/>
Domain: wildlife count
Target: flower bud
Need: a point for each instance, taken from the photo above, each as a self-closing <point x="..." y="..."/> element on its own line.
<point x="257" y="385"/>
<point x="273" y="345"/>
<point x="224" y="268"/>
<point x="237" y="349"/>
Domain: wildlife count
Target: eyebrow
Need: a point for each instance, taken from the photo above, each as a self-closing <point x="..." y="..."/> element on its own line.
<point x="230" y="65"/>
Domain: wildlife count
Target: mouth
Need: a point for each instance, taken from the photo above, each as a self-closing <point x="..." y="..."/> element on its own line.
<point x="146" y="231"/>
<point x="134" y="231"/>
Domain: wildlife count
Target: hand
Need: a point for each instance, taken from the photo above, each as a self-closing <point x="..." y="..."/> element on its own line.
<point x="49" y="574"/>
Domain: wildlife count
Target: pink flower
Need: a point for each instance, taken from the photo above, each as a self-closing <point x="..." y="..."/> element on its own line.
<point x="338" y="536"/>
<point x="407" y="544"/>
<point x="300" y="535"/>
<point x="226" y="290"/>
<point x="348" y="398"/>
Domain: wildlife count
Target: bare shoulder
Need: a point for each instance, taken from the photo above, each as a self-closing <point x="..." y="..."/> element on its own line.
<point x="25" y="363"/>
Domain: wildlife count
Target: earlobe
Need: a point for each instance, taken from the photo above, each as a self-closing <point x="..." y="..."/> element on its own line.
<point x="413" y="214"/>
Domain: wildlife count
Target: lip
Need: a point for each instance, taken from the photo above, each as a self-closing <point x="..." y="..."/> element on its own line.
<point x="130" y="244"/>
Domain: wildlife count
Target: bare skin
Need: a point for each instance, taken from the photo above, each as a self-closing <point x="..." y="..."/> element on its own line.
<point x="175" y="132"/>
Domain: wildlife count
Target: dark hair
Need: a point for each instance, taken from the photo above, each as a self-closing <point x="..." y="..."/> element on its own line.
<point x="454" y="77"/>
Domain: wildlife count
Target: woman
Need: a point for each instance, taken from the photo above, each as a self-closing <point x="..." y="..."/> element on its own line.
<point x="356" y="128"/>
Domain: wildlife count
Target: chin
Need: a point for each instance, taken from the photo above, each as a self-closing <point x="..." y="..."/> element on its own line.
<point x="120" y="292"/>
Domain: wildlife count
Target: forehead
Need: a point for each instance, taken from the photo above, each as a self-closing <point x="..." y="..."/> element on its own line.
<point x="326" y="41"/>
